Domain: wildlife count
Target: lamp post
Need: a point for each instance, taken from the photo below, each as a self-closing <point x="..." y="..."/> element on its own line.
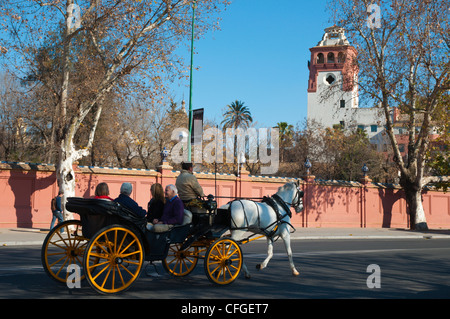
<point x="164" y="155"/>
<point x="365" y="169"/>
<point x="365" y="178"/>
<point x="309" y="179"/>
<point x="307" y="166"/>
<point x="190" y="84"/>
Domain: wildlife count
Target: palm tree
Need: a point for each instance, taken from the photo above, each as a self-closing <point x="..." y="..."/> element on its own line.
<point x="237" y="115"/>
<point x="286" y="132"/>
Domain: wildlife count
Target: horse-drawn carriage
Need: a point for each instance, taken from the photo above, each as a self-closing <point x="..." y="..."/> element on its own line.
<point x="110" y="244"/>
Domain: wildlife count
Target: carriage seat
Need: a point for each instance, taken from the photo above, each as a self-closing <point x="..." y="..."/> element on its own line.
<point x="187" y="219"/>
<point x="176" y="234"/>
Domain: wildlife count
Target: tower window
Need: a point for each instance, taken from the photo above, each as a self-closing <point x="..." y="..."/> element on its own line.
<point x="342" y="104"/>
<point x="373" y="128"/>
<point x="330" y="79"/>
<point x="330" y="57"/>
<point x="320" y="58"/>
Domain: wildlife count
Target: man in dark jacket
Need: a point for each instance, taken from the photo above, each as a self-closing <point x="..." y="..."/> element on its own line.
<point x="125" y="200"/>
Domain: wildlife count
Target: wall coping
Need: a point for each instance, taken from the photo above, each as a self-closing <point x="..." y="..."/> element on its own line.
<point x="44" y="167"/>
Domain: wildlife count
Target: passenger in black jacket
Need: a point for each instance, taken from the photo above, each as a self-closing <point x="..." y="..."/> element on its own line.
<point x="156" y="204"/>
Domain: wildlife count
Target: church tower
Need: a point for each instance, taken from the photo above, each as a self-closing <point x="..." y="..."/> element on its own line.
<point x="332" y="88"/>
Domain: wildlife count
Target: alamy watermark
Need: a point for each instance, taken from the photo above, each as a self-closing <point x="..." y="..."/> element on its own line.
<point x="374" y="19"/>
<point x="235" y="145"/>
<point x="74" y="17"/>
<point x="74" y="276"/>
<point x="374" y="279"/>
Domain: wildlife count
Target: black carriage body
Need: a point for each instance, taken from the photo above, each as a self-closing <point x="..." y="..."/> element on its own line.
<point x="96" y="214"/>
<point x="106" y="224"/>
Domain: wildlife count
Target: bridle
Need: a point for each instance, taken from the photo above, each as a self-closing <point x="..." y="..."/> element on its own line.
<point x="297" y="200"/>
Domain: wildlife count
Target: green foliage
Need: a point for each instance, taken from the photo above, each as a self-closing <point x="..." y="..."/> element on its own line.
<point x="236" y="115"/>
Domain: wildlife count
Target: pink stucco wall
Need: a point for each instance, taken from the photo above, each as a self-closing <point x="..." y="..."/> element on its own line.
<point x="26" y="191"/>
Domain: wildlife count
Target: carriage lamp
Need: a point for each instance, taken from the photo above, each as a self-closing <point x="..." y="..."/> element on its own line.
<point x="307" y="166"/>
<point x="210" y="204"/>
<point x="365" y="169"/>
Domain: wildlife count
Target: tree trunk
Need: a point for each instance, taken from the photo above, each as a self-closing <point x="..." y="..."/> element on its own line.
<point x="413" y="195"/>
<point x="65" y="175"/>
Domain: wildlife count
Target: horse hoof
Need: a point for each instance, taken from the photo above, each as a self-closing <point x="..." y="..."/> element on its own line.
<point x="258" y="266"/>
<point x="248" y="276"/>
<point x="295" y="273"/>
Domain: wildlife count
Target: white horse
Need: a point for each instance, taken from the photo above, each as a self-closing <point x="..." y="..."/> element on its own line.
<point x="261" y="218"/>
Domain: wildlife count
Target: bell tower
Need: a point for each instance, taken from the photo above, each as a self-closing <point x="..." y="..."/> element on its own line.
<point x="332" y="83"/>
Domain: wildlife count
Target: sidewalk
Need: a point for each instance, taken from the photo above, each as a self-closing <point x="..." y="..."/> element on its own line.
<point x="368" y="233"/>
<point x="35" y="236"/>
<point x="22" y="236"/>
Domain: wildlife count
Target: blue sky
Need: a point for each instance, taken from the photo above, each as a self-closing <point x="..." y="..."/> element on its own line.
<point x="260" y="57"/>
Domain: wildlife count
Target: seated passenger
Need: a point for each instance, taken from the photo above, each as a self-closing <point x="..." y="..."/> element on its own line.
<point x="102" y="192"/>
<point x="125" y="200"/>
<point x="173" y="212"/>
<point x="156" y="204"/>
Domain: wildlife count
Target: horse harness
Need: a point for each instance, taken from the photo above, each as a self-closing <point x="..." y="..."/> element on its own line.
<point x="272" y="202"/>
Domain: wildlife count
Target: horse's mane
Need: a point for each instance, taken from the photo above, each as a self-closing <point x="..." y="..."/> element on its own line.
<point x="285" y="186"/>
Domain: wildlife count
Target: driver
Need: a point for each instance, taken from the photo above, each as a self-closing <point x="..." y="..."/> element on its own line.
<point x="188" y="187"/>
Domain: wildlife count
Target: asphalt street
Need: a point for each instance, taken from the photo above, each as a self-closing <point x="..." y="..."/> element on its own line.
<point x="402" y="268"/>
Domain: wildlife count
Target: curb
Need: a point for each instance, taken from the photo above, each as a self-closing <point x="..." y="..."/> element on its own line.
<point x="21" y="243"/>
<point x="370" y="237"/>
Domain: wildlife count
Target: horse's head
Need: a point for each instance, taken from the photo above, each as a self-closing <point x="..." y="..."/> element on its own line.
<point x="292" y="195"/>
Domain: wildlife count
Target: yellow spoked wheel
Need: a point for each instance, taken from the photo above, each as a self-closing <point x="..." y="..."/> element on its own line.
<point x="223" y="261"/>
<point x="64" y="245"/>
<point x="113" y="259"/>
<point x="180" y="263"/>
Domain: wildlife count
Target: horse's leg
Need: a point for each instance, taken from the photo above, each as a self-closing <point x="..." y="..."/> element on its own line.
<point x="286" y="236"/>
<point x="237" y="235"/>
<point x="269" y="254"/>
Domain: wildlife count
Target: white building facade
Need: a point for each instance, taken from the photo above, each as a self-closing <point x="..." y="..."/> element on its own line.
<point x="333" y="91"/>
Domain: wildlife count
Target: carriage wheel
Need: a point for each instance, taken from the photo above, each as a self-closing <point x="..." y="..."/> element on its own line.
<point x="113" y="259"/>
<point x="180" y="263"/>
<point x="60" y="250"/>
<point x="223" y="261"/>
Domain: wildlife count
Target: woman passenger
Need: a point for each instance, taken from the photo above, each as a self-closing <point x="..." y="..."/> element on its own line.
<point x="102" y="192"/>
<point x="156" y="204"/>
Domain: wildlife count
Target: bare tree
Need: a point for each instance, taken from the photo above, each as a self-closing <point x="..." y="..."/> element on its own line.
<point x="133" y="41"/>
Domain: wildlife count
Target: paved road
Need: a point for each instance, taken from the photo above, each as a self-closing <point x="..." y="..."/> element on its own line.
<point x="408" y="268"/>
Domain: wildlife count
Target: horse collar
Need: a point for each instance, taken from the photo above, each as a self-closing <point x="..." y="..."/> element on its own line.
<point x="283" y="204"/>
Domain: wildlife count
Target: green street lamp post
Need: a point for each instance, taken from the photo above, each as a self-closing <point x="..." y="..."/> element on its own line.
<point x="190" y="84"/>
